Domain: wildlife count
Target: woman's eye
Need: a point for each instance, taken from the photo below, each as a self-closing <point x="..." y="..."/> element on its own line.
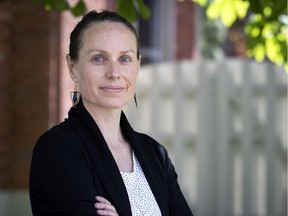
<point x="99" y="59"/>
<point x="125" y="59"/>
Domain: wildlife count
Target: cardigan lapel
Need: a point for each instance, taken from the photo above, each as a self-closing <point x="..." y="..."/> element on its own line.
<point x="101" y="158"/>
<point x="150" y="164"/>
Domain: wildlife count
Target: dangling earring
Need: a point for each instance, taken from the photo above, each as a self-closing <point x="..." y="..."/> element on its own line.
<point x="75" y="97"/>
<point x="135" y="100"/>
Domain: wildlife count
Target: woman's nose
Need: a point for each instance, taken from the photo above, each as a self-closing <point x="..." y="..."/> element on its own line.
<point x="113" y="71"/>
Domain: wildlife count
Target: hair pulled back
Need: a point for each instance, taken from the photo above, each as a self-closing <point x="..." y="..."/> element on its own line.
<point x="95" y="17"/>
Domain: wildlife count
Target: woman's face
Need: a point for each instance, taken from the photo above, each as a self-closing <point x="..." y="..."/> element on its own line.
<point x="106" y="70"/>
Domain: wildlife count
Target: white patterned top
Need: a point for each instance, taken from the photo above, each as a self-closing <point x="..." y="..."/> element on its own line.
<point x="142" y="200"/>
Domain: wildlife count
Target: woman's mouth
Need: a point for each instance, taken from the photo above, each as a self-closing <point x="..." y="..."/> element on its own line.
<point x="112" y="88"/>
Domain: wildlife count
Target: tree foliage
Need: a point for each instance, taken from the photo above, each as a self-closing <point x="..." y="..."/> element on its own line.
<point x="265" y="21"/>
<point x="265" y="25"/>
<point x="130" y="9"/>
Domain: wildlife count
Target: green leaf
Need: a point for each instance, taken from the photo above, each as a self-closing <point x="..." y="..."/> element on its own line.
<point x="255" y="31"/>
<point x="256" y="6"/>
<point x="259" y="52"/>
<point x="49" y="5"/>
<point x="281" y="37"/>
<point x="143" y="9"/>
<point x="269" y="30"/>
<point x="228" y="15"/>
<point x="227" y="10"/>
<point x="272" y="48"/>
<point x="267" y="11"/>
<point x="62" y="5"/>
<point x="127" y="10"/>
<point x="59" y="5"/>
<point x="214" y="10"/>
<point x="241" y="8"/>
<point x="79" y="9"/>
<point x="202" y="3"/>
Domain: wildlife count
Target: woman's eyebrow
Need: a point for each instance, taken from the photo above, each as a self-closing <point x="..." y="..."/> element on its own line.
<point x="128" y="51"/>
<point x="97" y="50"/>
<point x="103" y="51"/>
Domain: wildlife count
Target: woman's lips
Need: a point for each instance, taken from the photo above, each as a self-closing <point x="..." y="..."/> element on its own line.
<point x="112" y="88"/>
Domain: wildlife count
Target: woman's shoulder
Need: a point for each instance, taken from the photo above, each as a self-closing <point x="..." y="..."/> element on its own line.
<point x="59" y="130"/>
<point x="57" y="136"/>
<point x="158" y="148"/>
<point x="149" y="140"/>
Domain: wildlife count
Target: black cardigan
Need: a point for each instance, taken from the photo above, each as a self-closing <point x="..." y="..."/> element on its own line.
<point x="72" y="163"/>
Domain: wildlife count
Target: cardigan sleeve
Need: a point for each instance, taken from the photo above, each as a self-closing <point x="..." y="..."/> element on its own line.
<point x="60" y="181"/>
<point x="177" y="203"/>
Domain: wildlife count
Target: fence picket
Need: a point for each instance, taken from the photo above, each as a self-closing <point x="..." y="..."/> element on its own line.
<point x="206" y="194"/>
<point x="248" y="150"/>
<point x="225" y="160"/>
<point x="270" y="140"/>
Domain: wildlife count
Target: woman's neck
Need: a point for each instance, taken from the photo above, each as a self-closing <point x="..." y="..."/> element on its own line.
<point x="108" y="121"/>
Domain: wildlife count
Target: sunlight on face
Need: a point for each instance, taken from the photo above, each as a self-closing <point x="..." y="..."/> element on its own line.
<point x="107" y="68"/>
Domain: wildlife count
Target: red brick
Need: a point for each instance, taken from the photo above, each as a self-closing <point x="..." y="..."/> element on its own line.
<point x="186" y="24"/>
<point x="25" y="57"/>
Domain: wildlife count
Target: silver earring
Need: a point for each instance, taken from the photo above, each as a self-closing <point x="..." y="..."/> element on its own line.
<point x="75" y="97"/>
<point x="135" y="100"/>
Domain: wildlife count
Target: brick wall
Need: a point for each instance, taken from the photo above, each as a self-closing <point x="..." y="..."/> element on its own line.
<point x="5" y="56"/>
<point x="186" y="30"/>
<point x="25" y="60"/>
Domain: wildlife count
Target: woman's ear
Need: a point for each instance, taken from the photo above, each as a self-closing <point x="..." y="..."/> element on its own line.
<point x="70" y="65"/>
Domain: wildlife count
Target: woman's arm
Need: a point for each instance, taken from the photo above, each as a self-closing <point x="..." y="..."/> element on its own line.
<point x="60" y="181"/>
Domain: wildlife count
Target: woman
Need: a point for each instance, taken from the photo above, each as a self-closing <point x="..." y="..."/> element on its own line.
<point x="94" y="163"/>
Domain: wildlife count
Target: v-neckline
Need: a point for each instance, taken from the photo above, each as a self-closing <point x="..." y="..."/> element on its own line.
<point x="133" y="166"/>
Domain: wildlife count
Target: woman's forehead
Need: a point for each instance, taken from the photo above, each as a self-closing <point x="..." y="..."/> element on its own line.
<point x="106" y="27"/>
<point x="107" y="32"/>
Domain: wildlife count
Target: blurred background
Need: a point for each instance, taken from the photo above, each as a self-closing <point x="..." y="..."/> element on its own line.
<point x="212" y="90"/>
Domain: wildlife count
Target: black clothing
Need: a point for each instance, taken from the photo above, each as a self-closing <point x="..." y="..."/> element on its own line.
<point x="72" y="163"/>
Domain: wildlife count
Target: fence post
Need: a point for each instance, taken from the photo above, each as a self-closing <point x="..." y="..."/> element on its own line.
<point x="270" y="139"/>
<point x="223" y="129"/>
<point x="247" y="113"/>
<point x="156" y="103"/>
<point x="178" y="138"/>
<point x="204" y="146"/>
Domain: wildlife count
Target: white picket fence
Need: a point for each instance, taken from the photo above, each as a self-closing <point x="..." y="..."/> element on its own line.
<point x="225" y="127"/>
